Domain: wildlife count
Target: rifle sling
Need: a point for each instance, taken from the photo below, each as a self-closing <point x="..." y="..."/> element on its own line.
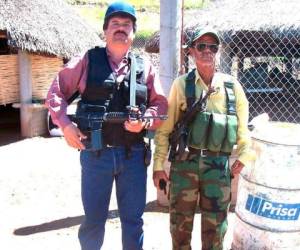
<point x="190" y="89"/>
<point x="132" y="89"/>
<point x="230" y="97"/>
<point x="73" y="97"/>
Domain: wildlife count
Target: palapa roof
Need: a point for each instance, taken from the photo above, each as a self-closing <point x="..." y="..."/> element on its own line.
<point x="236" y="19"/>
<point x="45" y="26"/>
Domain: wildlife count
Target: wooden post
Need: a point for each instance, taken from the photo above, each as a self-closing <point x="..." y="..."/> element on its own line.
<point x="25" y="92"/>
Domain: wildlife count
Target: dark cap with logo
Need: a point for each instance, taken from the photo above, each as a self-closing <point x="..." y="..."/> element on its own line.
<point x="198" y="32"/>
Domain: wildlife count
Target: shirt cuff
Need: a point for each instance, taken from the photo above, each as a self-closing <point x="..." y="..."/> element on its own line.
<point x="63" y="122"/>
<point x="158" y="166"/>
<point x="246" y="159"/>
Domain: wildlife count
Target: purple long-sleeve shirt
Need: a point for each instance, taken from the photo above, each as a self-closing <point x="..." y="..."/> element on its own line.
<point x="73" y="77"/>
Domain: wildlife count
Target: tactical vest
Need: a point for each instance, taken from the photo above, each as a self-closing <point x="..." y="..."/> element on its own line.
<point x="102" y="88"/>
<point x="213" y="131"/>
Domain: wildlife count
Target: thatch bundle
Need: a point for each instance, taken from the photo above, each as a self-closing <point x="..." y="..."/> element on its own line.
<point x="45" y="26"/>
<point x="237" y="20"/>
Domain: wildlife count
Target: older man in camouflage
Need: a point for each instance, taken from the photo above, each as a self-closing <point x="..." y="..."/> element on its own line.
<point x="204" y="177"/>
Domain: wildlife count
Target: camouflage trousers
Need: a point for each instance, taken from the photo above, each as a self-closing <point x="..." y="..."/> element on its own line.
<point x="203" y="180"/>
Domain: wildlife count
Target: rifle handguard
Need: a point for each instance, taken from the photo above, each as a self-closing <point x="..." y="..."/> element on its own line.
<point x="115" y="117"/>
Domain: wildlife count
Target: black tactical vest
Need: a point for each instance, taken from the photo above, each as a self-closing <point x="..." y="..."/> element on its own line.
<point x="103" y="89"/>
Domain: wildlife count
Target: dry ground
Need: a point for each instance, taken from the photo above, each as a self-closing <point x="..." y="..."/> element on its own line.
<point x="41" y="206"/>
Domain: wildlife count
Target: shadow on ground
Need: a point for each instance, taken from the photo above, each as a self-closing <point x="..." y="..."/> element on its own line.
<point x="49" y="226"/>
<point x="76" y="220"/>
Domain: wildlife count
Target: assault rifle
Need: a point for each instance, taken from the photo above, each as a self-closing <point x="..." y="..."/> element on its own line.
<point x="178" y="137"/>
<point x="90" y="118"/>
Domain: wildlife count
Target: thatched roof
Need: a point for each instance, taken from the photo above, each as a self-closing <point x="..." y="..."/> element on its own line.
<point x="237" y="20"/>
<point x="45" y="26"/>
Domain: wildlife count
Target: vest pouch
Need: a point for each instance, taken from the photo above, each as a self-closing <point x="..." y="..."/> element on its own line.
<point x="198" y="131"/>
<point x="231" y="134"/>
<point x="217" y="132"/>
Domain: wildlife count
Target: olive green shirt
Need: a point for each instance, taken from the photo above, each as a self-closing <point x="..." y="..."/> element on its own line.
<point x="216" y="103"/>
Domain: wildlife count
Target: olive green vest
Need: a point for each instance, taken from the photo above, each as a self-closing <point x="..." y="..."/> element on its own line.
<point x="213" y="131"/>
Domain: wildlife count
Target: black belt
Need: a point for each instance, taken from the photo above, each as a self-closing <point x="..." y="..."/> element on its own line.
<point x="206" y="152"/>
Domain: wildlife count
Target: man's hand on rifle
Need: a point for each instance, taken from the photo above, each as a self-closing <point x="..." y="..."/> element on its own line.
<point x="135" y="125"/>
<point x="73" y="136"/>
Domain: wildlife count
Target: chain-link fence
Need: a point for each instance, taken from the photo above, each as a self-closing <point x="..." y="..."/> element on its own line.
<point x="264" y="56"/>
<point x="260" y="46"/>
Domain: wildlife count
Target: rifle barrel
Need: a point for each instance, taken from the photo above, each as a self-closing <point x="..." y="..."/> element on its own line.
<point x="114" y="117"/>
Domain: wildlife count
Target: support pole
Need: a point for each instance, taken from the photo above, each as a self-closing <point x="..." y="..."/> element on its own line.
<point x="169" y="50"/>
<point x="25" y="92"/>
<point x="170" y="41"/>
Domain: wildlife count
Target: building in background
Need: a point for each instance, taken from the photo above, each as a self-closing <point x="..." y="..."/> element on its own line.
<point x="261" y="46"/>
<point x="36" y="38"/>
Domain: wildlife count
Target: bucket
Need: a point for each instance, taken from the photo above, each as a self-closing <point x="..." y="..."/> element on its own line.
<point x="268" y="200"/>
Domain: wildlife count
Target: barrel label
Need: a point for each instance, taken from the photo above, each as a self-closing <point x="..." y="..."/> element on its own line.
<point x="272" y="210"/>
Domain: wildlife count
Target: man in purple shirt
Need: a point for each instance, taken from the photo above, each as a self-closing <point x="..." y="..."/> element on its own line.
<point x="102" y="77"/>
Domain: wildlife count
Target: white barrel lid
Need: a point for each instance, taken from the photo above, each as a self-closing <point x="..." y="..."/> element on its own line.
<point x="282" y="133"/>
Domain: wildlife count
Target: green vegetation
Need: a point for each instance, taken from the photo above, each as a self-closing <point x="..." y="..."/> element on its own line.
<point x="93" y="12"/>
<point x="94" y="15"/>
<point x="141" y="4"/>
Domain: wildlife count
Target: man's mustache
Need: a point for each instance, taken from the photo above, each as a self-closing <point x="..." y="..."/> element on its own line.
<point x="208" y="54"/>
<point x="120" y="32"/>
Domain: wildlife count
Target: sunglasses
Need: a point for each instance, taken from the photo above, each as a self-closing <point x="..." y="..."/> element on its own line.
<point x="202" y="46"/>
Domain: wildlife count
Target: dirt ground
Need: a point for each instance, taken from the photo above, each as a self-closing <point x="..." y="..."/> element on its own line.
<point x="41" y="206"/>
